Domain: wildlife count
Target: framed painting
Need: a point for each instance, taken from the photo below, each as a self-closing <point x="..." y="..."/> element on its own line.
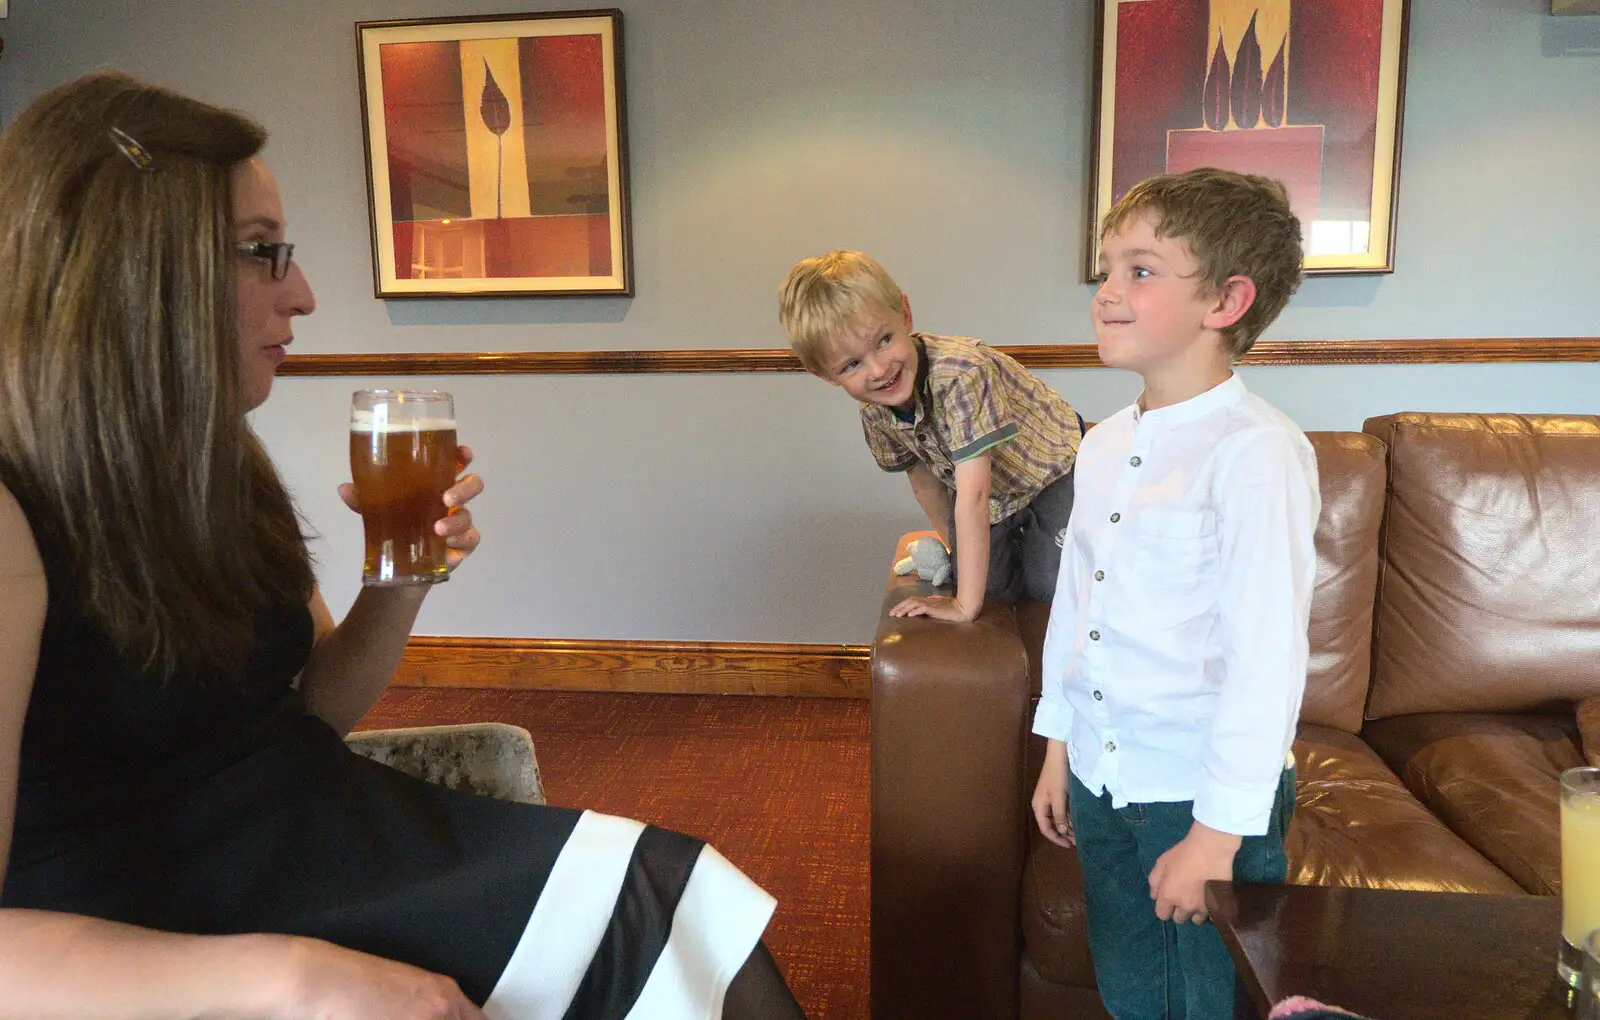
<point x="1307" y="91"/>
<point x="496" y="155"/>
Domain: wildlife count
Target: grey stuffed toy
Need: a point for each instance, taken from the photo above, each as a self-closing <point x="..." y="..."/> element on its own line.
<point x="929" y="560"/>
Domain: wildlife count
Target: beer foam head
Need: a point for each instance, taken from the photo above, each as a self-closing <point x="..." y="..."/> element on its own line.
<point x="377" y="420"/>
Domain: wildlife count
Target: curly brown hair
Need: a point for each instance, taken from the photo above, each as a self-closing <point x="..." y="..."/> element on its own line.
<point x="1234" y="225"/>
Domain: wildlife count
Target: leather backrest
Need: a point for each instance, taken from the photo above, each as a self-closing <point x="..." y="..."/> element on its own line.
<point x="1489" y="586"/>
<point x="1350" y="469"/>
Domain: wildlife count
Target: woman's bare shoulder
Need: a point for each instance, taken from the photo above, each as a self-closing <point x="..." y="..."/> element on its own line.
<point x="19" y="553"/>
<point x="21" y="627"/>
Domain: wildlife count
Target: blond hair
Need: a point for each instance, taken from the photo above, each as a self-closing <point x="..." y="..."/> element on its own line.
<point x="821" y="295"/>
<point x="1234" y="225"/>
<point x="122" y="419"/>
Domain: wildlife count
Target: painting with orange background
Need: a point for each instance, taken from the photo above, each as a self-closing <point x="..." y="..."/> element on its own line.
<point x="494" y="151"/>
<point x="1306" y="91"/>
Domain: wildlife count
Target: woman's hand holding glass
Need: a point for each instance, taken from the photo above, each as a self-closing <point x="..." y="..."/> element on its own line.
<point x="461" y="536"/>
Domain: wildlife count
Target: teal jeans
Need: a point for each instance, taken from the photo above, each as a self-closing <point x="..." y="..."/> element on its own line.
<point x="1149" y="969"/>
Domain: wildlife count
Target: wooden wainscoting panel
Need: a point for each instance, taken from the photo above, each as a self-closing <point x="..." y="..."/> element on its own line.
<point x="647" y="667"/>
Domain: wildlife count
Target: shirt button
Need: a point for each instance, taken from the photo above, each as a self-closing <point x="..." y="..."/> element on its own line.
<point x="1135" y="461"/>
<point x="1111" y="745"/>
<point x="1098" y="696"/>
<point x="1115" y="518"/>
<point x="1099" y="575"/>
<point x="1094" y="635"/>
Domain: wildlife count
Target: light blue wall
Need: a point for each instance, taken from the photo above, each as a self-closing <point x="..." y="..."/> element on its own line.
<point x="948" y="139"/>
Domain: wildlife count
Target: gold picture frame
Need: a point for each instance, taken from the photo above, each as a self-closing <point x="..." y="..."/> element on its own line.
<point x="496" y="151"/>
<point x="1306" y="91"/>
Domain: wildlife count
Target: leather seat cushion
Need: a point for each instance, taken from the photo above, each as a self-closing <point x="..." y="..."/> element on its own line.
<point x="1356" y="824"/>
<point x="1493" y="778"/>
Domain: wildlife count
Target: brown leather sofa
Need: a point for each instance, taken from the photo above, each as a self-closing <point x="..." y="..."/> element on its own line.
<point x="1455" y="624"/>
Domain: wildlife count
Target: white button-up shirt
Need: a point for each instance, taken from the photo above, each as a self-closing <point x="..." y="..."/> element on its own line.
<point x="1176" y="655"/>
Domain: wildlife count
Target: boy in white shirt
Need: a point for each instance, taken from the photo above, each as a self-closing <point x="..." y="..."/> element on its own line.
<point x="1176" y="654"/>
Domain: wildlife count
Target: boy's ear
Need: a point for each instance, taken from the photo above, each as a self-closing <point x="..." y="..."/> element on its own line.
<point x="1238" y="293"/>
<point x="905" y="306"/>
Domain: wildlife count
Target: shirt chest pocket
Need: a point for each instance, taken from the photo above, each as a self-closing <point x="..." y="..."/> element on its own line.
<point x="1175" y="551"/>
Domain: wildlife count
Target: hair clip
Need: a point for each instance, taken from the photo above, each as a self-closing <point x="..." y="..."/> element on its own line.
<point x="137" y="154"/>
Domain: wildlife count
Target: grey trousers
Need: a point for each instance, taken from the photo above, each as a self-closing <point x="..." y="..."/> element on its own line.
<point x="1025" y="548"/>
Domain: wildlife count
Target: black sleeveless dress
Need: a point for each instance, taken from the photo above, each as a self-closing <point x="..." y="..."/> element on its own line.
<point x="209" y="808"/>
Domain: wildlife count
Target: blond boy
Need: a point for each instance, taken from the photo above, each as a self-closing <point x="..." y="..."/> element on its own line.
<point x="988" y="447"/>
<point x="1176" y="653"/>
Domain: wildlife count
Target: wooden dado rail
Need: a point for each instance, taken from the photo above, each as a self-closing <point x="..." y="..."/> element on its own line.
<point x="658" y="667"/>
<point x="1276" y="352"/>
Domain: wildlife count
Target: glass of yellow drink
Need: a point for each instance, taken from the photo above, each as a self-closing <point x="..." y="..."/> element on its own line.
<point x="1580" y="867"/>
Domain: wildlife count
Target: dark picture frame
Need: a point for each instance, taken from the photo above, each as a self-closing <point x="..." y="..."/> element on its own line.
<point x="1311" y="92"/>
<point x="496" y="151"/>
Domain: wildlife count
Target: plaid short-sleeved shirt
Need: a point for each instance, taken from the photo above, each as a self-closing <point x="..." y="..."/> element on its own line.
<point x="971" y="399"/>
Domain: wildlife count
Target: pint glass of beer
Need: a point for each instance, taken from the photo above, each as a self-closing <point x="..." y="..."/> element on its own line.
<point x="402" y="459"/>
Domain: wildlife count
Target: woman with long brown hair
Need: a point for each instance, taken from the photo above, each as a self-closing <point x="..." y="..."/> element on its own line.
<point x="182" y="830"/>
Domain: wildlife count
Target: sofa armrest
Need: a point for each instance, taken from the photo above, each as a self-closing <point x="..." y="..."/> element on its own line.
<point x="949" y="717"/>
<point x="488" y="759"/>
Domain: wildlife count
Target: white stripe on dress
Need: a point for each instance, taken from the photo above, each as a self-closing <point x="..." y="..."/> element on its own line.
<point x="719" y="918"/>
<point x="567" y="923"/>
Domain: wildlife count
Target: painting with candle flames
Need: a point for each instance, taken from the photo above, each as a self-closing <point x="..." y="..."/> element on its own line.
<point x="496" y="159"/>
<point x="1307" y="91"/>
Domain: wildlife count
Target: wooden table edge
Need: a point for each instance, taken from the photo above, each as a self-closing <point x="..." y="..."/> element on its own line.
<point x="1223" y="907"/>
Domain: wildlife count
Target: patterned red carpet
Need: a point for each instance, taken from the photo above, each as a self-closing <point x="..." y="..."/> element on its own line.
<point x="778" y="785"/>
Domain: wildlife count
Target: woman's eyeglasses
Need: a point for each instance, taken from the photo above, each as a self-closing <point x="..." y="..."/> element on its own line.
<point x="278" y="253"/>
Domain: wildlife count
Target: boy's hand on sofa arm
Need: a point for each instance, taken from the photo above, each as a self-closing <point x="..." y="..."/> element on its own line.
<point x="1178" y="881"/>
<point x="938" y="607"/>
